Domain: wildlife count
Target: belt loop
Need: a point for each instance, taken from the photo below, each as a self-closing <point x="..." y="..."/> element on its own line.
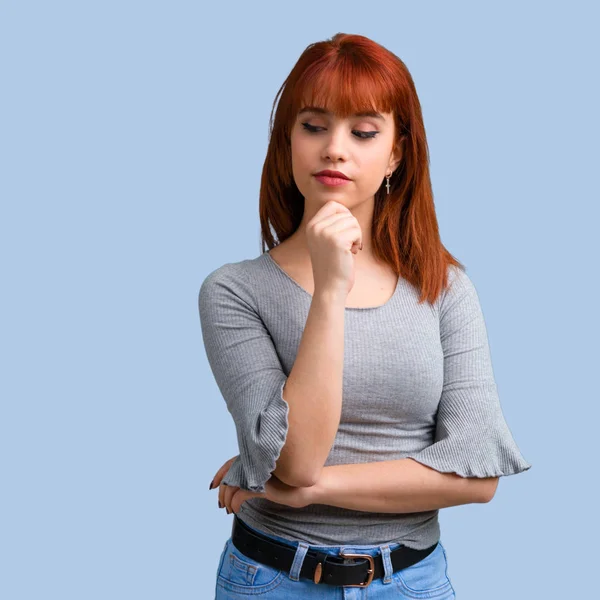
<point x="388" y="569"/>
<point x="296" y="567"/>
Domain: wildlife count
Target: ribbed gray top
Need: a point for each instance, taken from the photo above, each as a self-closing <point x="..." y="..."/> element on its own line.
<point x="418" y="382"/>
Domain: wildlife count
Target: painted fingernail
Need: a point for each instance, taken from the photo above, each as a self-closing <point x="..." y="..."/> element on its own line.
<point x="220" y="505"/>
<point x="228" y="511"/>
<point x="210" y="487"/>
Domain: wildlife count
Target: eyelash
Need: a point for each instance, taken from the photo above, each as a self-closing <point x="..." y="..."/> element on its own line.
<point x="367" y="135"/>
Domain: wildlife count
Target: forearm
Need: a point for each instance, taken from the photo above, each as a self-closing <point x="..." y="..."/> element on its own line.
<point x="313" y="392"/>
<point x="396" y="486"/>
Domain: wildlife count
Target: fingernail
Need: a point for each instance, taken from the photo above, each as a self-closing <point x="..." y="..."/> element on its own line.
<point x="228" y="511"/>
<point x="210" y="487"/>
<point x="220" y="505"/>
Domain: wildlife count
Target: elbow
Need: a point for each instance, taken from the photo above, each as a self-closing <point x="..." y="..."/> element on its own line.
<point x="302" y="481"/>
<point x="489" y="485"/>
<point x="309" y="479"/>
<point x="296" y="478"/>
<point x="295" y="470"/>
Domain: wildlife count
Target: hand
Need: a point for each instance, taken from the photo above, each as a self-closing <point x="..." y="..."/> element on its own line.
<point x="333" y="236"/>
<point x="232" y="497"/>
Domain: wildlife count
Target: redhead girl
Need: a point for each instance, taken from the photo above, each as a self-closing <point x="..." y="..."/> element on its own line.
<point x="352" y="353"/>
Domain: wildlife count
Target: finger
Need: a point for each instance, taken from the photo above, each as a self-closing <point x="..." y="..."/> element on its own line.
<point x="346" y="229"/>
<point x="240" y="496"/>
<point x="353" y="239"/>
<point x="224" y="493"/>
<point x="331" y="219"/>
<point x="222" y="471"/>
<point x="344" y="224"/>
<point x="222" y="489"/>
<point x="236" y="500"/>
<point x="327" y="209"/>
<point x="228" y="495"/>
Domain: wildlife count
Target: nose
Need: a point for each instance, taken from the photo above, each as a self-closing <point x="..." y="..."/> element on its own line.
<point x="335" y="147"/>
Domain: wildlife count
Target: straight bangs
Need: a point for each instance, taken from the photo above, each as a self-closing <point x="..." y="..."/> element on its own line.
<point x="344" y="86"/>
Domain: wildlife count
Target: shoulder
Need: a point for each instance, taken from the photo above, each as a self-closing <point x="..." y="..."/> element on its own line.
<point x="228" y="280"/>
<point x="459" y="281"/>
<point x="460" y="290"/>
<point x="231" y="273"/>
<point x="235" y="281"/>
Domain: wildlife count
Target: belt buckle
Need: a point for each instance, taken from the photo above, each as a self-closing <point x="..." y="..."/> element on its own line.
<point x="370" y="572"/>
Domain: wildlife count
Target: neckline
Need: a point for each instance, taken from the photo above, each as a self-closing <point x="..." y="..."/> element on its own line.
<point x="309" y="295"/>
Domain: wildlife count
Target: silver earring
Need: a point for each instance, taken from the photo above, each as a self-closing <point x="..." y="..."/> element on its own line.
<point x="387" y="185"/>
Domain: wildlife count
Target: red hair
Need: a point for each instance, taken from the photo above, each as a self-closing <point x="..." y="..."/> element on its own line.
<point x="348" y="74"/>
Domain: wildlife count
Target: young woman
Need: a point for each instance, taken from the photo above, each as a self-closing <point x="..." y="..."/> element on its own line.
<point x="353" y="354"/>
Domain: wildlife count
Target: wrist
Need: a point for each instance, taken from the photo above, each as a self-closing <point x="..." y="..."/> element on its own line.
<point x="329" y="297"/>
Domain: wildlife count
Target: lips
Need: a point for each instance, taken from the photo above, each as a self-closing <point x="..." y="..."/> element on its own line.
<point x="329" y="173"/>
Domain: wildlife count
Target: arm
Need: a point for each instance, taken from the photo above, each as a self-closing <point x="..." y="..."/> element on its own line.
<point x="397" y="486"/>
<point x="472" y="438"/>
<point x="314" y="393"/>
<point x="285" y="425"/>
<point x="472" y="445"/>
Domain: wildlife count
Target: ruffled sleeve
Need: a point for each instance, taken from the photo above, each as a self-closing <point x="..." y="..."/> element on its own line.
<point x="472" y="437"/>
<point x="248" y="373"/>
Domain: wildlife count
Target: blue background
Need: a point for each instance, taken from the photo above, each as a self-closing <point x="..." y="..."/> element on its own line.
<point x="132" y="138"/>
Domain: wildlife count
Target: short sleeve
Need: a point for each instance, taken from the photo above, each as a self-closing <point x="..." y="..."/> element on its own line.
<point x="472" y="438"/>
<point x="248" y="373"/>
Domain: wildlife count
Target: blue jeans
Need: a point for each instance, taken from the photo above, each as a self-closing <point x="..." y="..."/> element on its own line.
<point x="239" y="576"/>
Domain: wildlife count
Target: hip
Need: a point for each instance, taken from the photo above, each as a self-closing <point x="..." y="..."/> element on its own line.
<point x="295" y="568"/>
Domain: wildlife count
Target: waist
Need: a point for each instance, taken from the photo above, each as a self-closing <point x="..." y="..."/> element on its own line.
<point x="323" y="525"/>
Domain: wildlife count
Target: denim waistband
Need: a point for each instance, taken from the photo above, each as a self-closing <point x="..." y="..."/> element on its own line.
<point x="302" y="547"/>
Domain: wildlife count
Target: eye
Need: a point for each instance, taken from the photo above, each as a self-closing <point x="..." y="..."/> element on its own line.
<point x="311" y="128"/>
<point x="365" y="135"/>
<point x="361" y="135"/>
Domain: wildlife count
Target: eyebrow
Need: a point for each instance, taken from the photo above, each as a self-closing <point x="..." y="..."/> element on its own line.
<point x="322" y="111"/>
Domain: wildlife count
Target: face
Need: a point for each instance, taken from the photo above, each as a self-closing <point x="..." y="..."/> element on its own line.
<point x="361" y="147"/>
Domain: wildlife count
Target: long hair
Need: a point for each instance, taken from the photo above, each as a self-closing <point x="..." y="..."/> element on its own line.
<point x="348" y="74"/>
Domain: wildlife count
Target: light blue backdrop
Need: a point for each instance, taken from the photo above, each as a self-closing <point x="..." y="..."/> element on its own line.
<point x="132" y="137"/>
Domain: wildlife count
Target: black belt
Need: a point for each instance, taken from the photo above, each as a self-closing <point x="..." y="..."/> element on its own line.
<point x="319" y="566"/>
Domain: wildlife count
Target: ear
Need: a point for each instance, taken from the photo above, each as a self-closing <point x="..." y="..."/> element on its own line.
<point x="396" y="155"/>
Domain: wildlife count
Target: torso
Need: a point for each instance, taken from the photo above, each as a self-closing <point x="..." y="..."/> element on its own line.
<point x="374" y="284"/>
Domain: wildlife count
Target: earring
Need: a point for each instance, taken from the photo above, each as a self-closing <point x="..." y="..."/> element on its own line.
<point x="387" y="185"/>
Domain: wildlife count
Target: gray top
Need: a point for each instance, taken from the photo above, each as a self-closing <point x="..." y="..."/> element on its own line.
<point x="418" y="382"/>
